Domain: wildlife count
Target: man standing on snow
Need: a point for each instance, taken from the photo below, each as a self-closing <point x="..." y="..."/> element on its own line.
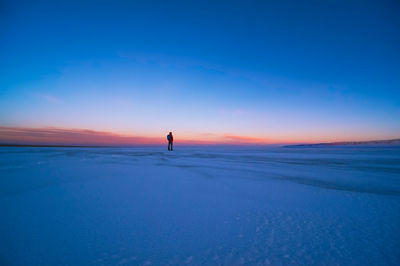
<point x="170" y="139"/>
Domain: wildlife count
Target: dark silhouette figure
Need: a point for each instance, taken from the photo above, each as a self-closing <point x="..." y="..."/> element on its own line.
<point x="170" y="139"/>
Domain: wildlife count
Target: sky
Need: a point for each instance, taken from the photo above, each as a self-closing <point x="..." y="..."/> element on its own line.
<point x="210" y="71"/>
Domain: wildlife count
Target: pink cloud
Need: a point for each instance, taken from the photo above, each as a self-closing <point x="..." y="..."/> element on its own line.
<point x="61" y="136"/>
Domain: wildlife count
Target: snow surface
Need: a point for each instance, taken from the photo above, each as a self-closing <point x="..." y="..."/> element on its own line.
<point x="199" y="206"/>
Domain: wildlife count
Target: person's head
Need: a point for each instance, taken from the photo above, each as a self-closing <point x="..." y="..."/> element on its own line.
<point x="170" y="133"/>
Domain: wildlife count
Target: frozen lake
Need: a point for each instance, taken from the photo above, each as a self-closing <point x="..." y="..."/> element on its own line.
<point x="199" y="206"/>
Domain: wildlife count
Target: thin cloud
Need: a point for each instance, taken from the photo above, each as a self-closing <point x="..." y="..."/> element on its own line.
<point x="237" y="112"/>
<point x="49" y="98"/>
<point x="245" y="139"/>
<point x="61" y="136"/>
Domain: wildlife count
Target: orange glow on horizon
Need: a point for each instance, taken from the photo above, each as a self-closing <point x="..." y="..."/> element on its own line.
<point x="64" y="136"/>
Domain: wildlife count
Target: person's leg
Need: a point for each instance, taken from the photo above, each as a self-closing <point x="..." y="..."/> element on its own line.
<point x="172" y="145"/>
<point x="168" y="144"/>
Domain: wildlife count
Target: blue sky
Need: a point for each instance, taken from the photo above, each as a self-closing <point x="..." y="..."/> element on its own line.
<point x="285" y="71"/>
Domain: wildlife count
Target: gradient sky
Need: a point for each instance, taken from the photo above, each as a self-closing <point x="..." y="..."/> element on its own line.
<point x="268" y="72"/>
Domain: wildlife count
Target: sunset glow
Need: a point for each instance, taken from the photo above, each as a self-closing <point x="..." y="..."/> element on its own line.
<point x="242" y="76"/>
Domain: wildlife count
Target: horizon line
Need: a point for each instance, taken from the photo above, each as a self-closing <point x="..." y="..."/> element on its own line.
<point x="59" y="136"/>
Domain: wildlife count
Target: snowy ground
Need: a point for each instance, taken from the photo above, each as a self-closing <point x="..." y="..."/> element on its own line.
<point x="199" y="206"/>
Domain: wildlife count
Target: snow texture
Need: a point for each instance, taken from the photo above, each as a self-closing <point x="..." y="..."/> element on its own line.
<point x="199" y="206"/>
